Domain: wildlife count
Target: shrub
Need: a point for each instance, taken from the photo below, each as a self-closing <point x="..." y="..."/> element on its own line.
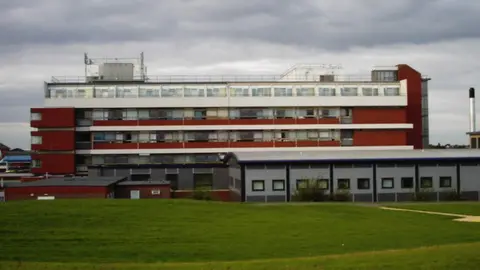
<point x="423" y="195"/>
<point x="202" y="194"/>
<point x="310" y="192"/>
<point x="453" y="196"/>
<point x="341" y="195"/>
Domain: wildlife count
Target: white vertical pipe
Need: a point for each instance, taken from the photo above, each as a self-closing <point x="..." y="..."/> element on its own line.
<point x="471" y="94"/>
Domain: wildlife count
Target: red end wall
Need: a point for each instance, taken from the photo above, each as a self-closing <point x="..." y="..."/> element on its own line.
<point x="55" y="140"/>
<point x="25" y="193"/>
<point x="379" y="137"/>
<point x="367" y="115"/>
<point x="414" y="108"/>
<point x="54" y="118"/>
<point x="54" y="163"/>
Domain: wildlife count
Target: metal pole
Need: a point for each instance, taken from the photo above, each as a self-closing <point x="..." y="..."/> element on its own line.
<point x="471" y="94"/>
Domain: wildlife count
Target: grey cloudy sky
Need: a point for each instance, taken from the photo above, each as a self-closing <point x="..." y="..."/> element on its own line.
<point x="40" y="39"/>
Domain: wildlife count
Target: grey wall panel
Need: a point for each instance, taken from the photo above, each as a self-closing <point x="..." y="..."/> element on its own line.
<point x="236" y="174"/>
<point x="220" y="178"/>
<point x="276" y="198"/>
<point x="141" y="171"/>
<point x="93" y="172"/>
<point x="353" y="174"/>
<point x="185" y="179"/>
<point x="298" y="173"/>
<point x="108" y="172"/>
<point x="469" y="178"/>
<point x="436" y="172"/>
<point x="362" y="197"/>
<point x="396" y="173"/>
<point x="257" y="198"/>
<point x="268" y="175"/>
<point x="158" y="174"/>
<point x="386" y="197"/>
<point x="122" y="172"/>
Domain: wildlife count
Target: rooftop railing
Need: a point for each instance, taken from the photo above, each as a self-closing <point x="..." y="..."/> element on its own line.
<point x="218" y="78"/>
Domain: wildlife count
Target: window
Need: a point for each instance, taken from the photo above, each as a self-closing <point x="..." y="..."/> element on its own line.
<point x="258" y="185"/>
<point x="343" y="183"/>
<point x="322" y="184"/>
<point x="216" y="92"/>
<point x="283" y="92"/>
<point x="239" y="92"/>
<point x="349" y="91"/>
<point x="426" y="182"/>
<point x="306" y="113"/>
<point x="363" y="183"/>
<point x="203" y="180"/>
<point x="391" y="91"/>
<point x="326" y="91"/>
<point x="302" y="183"/>
<point x="35" y="116"/>
<point x="407" y="182"/>
<point x="148" y="92"/>
<point x="445" y="181"/>
<point x="194" y="92"/>
<point x="127" y="92"/>
<point x="305" y="92"/>
<point x="261" y="92"/>
<point x="387" y="183"/>
<point x="369" y="91"/>
<point x="278" y="185"/>
<point x="284" y="113"/>
<point x="172" y="92"/>
<point x="36" y="163"/>
<point x="36" y="139"/>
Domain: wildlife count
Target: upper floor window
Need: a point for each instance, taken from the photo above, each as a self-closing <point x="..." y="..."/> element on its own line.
<point x="172" y="92"/>
<point x="283" y="92"/>
<point x="261" y="92"/>
<point x="349" y="91"/>
<point x="194" y="92"/>
<point x="148" y="92"/>
<point x="216" y="92"/>
<point x="35" y="116"/>
<point x="36" y="139"/>
<point x="329" y="91"/>
<point x="391" y="91"/>
<point x="370" y="91"/>
<point x="306" y="92"/>
<point x="104" y="92"/>
<point x="127" y="92"/>
<point x="239" y="92"/>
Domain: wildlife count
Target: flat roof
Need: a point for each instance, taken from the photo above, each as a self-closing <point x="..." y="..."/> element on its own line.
<point x="357" y="155"/>
<point x="71" y="182"/>
<point x="23" y="158"/>
<point x="144" y="183"/>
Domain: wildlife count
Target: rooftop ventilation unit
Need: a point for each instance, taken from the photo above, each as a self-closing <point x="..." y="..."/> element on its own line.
<point x="327" y="78"/>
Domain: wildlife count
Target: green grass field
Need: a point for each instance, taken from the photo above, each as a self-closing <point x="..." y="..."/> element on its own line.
<point x="181" y="234"/>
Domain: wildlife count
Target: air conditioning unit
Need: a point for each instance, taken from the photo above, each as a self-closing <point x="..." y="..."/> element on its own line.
<point x="327" y="78"/>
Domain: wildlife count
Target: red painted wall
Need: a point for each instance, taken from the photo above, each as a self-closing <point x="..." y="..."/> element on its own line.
<point x="54" y="118"/>
<point x="414" y="108"/>
<point x="368" y="115"/>
<point x="379" y="137"/>
<point x="54" y="163"/>
<point x="123" y="192"/>
<point x="25" y="193"/>
<point x="55" y="140"/>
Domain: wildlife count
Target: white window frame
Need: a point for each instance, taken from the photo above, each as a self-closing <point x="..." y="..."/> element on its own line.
<point x="261" y="186"/>
<point x="36" y="140"/>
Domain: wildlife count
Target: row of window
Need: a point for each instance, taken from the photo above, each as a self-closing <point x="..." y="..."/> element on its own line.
<point x="362" y="183"/>
<point x="214" y="113"/>
<point x="215" y="136"/>
<point x="232" y="91"/>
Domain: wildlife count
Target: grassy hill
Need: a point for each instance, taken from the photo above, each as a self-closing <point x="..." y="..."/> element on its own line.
<point x="166" y="234"/>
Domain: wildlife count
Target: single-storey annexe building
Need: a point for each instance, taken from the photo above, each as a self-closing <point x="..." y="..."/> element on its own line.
<point x="368" y="176"/>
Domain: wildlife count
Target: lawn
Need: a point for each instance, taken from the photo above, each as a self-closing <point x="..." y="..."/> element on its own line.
<point x="165" y="234"/>
<point x="462" y="208"/>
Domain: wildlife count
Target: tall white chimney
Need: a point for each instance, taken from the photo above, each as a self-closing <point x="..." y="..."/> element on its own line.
<point x="471" y="95"/>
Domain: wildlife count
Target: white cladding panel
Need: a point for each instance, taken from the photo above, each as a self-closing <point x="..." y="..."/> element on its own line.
<point x="231" y="95"/>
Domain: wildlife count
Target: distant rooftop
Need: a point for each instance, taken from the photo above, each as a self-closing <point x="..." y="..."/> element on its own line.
<point x="70" y="182"/>
<point x="359" y="155"/>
